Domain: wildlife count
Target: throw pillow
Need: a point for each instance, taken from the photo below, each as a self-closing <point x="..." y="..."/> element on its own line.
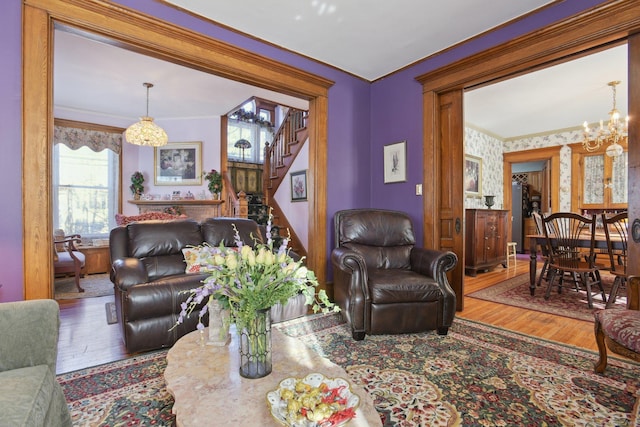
<point x="147" y="216"/>
<point x="198" y="258"/>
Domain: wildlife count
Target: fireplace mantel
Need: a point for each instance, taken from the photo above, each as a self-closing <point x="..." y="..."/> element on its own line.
<point x="195" y="209"/>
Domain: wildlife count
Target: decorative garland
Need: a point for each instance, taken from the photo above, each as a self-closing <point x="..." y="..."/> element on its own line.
<point x="250" y="117"/>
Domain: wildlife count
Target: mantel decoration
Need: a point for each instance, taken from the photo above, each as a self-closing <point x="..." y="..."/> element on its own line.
<point x="215" y="182"/>
<point x="136" y="187"/>
<point x="249" y="281"/>
<point x="614" y="134"/>
<point x="146" y="132"/>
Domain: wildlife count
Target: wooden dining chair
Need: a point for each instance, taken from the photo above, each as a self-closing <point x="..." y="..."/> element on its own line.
<point x="571" y="242"/>
<point x="544" y="250"/>
<point x="616" y="229"/>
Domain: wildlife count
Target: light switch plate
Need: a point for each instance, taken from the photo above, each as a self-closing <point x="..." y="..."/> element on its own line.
<point x="418" y="189"/>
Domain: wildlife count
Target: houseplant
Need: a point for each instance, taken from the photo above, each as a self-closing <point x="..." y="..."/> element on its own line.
<point x="249" y="281"/>
<point x="215" y="182"/>
<point x="136" y="187"/>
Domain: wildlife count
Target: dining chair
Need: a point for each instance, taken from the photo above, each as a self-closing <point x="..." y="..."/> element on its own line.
<point x="616" y="229"/>
<point x="569" y="235"/>
<point x="544" y="250"/>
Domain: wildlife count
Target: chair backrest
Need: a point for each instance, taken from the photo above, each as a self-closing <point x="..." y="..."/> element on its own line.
<point x="568" y="235"/>
<point x="616" y="230"/>
<point x="383" y="237"/>
<point x="539" y="227"/>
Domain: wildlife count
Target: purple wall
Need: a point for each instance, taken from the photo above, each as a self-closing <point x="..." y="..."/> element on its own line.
<point x="11" y="277"/>
<point x="396" y="109"/>
<point x="362" y="119"/>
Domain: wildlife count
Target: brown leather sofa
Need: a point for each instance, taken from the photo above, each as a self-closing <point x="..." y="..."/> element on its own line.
<point x="148" y="273"/>
<point x="383" y="283"/>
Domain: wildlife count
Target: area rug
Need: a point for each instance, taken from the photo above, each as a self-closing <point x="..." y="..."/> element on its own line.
<point x="569" y="303"/>
<point x="476" y="375"/>
<point x="94" y="285"/>
<point x="129" y="392"/>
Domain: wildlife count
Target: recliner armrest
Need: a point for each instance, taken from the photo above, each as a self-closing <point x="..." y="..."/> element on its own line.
<point x="348" y="260"/>
<point x="126" y="272"/>
<point x="432" y="262"/>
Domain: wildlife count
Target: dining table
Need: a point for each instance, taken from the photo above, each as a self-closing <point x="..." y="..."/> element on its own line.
<point x="537" y="240"/>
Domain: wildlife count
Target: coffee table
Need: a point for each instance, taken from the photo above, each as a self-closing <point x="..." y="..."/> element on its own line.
<point x="209" y="391"/>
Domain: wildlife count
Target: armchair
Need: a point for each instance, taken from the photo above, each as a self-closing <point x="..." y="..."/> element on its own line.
<point x="30" y="395"/>
<point x="67" y="259"/>
<point x="383" y="283"/>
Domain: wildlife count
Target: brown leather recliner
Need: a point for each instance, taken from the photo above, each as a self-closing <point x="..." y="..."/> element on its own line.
<point x="383" y="283"/>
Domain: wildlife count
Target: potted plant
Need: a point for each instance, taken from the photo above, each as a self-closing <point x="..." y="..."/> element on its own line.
<point x="215" y="182"/>
<point x="136" y="187"/>
<point x="249" y="281"/>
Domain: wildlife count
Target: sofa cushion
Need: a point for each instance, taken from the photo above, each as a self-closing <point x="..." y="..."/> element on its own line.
<point x="25" y="395"/>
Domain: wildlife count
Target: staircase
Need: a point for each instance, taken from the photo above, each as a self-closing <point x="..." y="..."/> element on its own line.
<point x="279" y="156"/>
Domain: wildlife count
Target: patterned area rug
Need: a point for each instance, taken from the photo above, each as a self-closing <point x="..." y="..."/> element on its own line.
<point x="94" y="285"/>
<point x="569" y="303"/>
<point x="129" y="392"/>
<point x="476" y="375"/>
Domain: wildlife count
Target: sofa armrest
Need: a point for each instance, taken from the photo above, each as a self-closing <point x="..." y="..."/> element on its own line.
<point x="29" y="334"/>
<point x="126" y="272"/>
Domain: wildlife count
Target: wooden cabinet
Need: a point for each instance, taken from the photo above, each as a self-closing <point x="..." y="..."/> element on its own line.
<point x="598" y="182"/>
<point x="97" y="259"/>
<point x="485" y="239"/>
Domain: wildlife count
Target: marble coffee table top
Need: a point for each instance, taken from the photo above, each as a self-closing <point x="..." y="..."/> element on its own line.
<point x="209" y="391"/>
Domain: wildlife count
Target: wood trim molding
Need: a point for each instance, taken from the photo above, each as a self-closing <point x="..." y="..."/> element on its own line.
<point x="605" y="24"/>
<point x="88" y="126"/>
<point x="132" y="30"/>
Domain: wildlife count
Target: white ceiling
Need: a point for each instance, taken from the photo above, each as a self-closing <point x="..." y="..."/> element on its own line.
<point x="369" y="38"/>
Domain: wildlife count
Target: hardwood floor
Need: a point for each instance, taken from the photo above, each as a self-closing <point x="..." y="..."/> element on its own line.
<point x="87" y="340"/>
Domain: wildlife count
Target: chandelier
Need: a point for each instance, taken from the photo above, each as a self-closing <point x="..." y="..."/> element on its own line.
<point x="145" y="132"/>
<point x="614" y="133"/>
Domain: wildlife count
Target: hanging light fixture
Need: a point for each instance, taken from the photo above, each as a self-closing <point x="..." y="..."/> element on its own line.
<point x="146" y="132"/>
<point x="614" y="134"/>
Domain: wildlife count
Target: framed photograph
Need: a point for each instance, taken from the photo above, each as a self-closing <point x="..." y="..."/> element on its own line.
<point x="298" y="186"/>
<point x="395" y="162"/>
<point x="473" y="176"/>
<point x="178" y="163"/>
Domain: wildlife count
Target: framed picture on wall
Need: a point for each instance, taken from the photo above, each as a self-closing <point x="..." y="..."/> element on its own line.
<point x="178" y="163"/>
<point x="395" y="162"/>
<point x="298" y="186"/>
<point x="473" y="176"/>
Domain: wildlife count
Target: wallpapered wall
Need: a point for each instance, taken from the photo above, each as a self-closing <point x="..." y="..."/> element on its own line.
<point x="490" y="149"/>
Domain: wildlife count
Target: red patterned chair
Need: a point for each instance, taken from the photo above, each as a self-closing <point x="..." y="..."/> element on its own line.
<point x="619" y="330"/>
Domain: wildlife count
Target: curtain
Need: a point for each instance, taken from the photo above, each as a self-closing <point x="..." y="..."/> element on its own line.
<point x="75" y="138"/>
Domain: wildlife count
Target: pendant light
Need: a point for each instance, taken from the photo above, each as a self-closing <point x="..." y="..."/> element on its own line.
<point x="146" y="132"/>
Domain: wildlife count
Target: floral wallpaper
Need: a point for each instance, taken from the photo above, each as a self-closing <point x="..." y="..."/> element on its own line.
<point x="491" y="149"/>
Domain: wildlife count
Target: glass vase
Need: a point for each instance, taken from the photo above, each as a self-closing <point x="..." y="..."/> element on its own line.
<point x="255" y="346"/>
<point x="219" y="319"/>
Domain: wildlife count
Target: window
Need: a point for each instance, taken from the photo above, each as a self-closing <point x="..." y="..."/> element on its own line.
<point x="248" y="131"/>
<point x="85" y="185"/>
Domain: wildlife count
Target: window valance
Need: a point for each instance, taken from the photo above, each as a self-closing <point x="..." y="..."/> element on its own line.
<point x="96" y="140"/>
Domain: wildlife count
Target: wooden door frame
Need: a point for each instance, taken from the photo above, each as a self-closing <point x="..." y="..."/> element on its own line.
<point x="147" y="35"/>
<point x="551" y="154"/>
<point x="595" y="29"/>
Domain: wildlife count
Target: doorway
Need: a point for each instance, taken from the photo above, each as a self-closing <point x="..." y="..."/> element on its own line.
<point x="164" y="41"/>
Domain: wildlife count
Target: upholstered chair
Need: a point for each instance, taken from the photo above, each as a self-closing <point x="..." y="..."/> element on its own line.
<point x="383" y="282"/>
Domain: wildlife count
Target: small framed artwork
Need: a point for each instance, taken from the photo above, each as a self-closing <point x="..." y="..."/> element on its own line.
<point x="298" y="186"/>
<point x="178" y="163"/>
<point x="473" y="176"/>
<point x="395" y="162"/>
